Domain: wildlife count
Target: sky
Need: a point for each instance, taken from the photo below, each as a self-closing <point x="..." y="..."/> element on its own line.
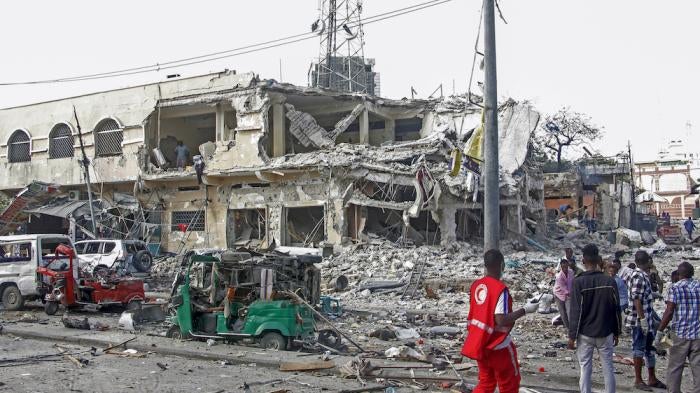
<point x="631" y="65"/>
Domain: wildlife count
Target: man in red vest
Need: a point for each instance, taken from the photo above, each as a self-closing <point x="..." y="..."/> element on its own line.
<point x="491" y="317"/>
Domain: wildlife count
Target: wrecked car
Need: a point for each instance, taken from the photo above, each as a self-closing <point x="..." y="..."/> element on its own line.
<point x="98" y="257"/>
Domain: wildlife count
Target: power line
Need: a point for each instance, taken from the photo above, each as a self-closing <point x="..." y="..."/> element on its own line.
<point x="231" y="52"/>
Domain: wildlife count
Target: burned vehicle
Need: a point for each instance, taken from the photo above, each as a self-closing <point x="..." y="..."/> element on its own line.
<point x="241" y="295"/>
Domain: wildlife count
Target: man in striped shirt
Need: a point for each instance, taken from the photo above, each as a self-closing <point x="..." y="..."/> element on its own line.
<point x="683" y="305"/>
<point x="640" y="321"/>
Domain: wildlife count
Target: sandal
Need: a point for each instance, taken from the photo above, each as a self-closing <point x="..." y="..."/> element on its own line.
<point x="658" y="385"/>
<point x="643" y="386"/>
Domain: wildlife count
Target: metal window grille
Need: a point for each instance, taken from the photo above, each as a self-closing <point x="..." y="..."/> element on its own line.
<point x="18" y="147"/>
<point x="194" y="219"/>
<point x="61" y="141"/>
<point x="108" y="138"/>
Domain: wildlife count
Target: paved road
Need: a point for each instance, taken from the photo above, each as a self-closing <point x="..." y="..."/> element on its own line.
<point x="113" y="373"/>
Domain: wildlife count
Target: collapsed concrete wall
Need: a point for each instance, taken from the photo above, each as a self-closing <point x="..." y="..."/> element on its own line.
<point x="286" y="165"/>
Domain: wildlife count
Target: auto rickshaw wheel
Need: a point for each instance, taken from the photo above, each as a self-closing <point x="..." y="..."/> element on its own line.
<point x="174" y="332"/>
<point x="50" y="308"/>
<point x="134" y="304"/>
<point x="273" y="340"/>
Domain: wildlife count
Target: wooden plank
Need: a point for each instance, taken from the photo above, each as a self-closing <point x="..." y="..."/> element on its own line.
<point x="306" y="366"/>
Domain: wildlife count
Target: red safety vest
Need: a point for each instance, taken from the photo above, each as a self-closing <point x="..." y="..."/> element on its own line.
<point x="482" y="333"/>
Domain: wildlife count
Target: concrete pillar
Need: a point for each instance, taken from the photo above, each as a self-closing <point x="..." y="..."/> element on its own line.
<point x="279" y="141"/>
<point x="275" y="223"/>
<point x="683" y="207"/>
<point x="220" y="124"/>
<point x="448" y="225"/>
<point x="390" y="129"/>
<point x="364" y="127"/>
<point x="335" y="221"/>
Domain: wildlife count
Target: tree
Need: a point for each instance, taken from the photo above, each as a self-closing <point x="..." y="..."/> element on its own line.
<point x="565" y="129"/>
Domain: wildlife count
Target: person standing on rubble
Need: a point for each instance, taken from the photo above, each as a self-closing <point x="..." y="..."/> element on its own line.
<point x="689" y="227"/>
<point x="640" y="320"/>
<point x="588" y="220"/>
<point x="593" y="299"/>
<point x="683" y="306"/>
<point x="182" y="154"/>
<point x="563" y="284"/>
<point x="490" y="320"/>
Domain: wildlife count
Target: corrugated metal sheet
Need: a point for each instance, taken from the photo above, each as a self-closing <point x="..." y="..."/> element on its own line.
<point x="62" y="210"/>
<point x="34" y="194"/>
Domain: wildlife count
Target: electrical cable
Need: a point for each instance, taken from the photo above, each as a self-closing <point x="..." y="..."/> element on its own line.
<point x="476" y="52"/>
<point x="231" y="52"/>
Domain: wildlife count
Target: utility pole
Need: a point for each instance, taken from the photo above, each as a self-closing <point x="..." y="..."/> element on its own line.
<point x="633" y="201"/>
<point x="491" y="166"/>
<point x="85" y="163"/>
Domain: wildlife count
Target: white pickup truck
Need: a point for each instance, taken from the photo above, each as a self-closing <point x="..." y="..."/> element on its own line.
<point x="20" y="255"/>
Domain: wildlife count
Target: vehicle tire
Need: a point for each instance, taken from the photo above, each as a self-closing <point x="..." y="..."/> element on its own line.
<point x="134" y="304"/>
<point x="175" y="333"/>
<point x="143" y="260"/>
<point x="12" y="298"/>
<point x="329" y="338"/>
<point x="51" y="308"/>
<point x="100" y="271"/>
<point x="273" y="340"/>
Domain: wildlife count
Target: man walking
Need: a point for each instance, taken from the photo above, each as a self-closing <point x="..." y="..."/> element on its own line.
<point x="683" y="305"/>
<point x="490" y="319"/>
<point x="594" y="299"/>
<point x="689" y="226"/>
<point x="640" y="320"/>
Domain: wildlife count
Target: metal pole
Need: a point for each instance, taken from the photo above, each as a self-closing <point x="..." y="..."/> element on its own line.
<point x="86" y="167"/>
<point x="633" y="201"/>
<point x="491" y="192"/>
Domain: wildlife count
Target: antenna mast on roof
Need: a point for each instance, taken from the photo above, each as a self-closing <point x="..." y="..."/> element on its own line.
<point x="341" y="64"/>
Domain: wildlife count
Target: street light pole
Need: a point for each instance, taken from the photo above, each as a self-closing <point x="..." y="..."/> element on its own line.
<point x="491" y="166"/>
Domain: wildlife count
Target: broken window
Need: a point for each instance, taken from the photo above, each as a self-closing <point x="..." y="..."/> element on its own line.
<point x="18" y="147"/>
<point x="61" y="141"/>
<point x="468" y="224"/>
<point x="304" y="226"/>
<point x="389" y="192"/>
<point x="423" y="229"/>
<point x="108" y="138"/>
<point x="193" y="130"/>
<point x="408" y="129"/>
<point x="191" y="220"/>
<point x="246" y="225"/>
<point x="367" y="222"/>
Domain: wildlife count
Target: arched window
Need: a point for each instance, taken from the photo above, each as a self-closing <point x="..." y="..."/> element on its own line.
<point x="18" y="147"/>
<point x="108" y="138"/>
<point x="61" y="141"/>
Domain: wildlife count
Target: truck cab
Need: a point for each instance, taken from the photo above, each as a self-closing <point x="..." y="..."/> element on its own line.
<point x="20" y="256"/>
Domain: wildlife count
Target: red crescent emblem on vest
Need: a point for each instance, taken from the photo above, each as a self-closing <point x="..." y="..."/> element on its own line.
<point x="480" y="294"/>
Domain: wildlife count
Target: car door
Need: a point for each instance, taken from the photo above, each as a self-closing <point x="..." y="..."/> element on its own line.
<point x="110" y="253"/>
<point x="91" y="255"/>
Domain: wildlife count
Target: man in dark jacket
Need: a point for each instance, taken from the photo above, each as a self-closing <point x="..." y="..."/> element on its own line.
<point x="594" y="299"/>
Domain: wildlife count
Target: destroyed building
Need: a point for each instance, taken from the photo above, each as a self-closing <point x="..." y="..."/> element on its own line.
<point x="600" y="184"/>
<point x="283" y="165"/>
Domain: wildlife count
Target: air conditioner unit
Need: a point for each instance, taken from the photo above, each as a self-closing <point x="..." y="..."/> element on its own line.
<point x="74" y="195"/>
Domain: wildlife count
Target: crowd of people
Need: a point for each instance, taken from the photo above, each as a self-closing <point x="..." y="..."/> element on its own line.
<point x="586" y="299"/>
